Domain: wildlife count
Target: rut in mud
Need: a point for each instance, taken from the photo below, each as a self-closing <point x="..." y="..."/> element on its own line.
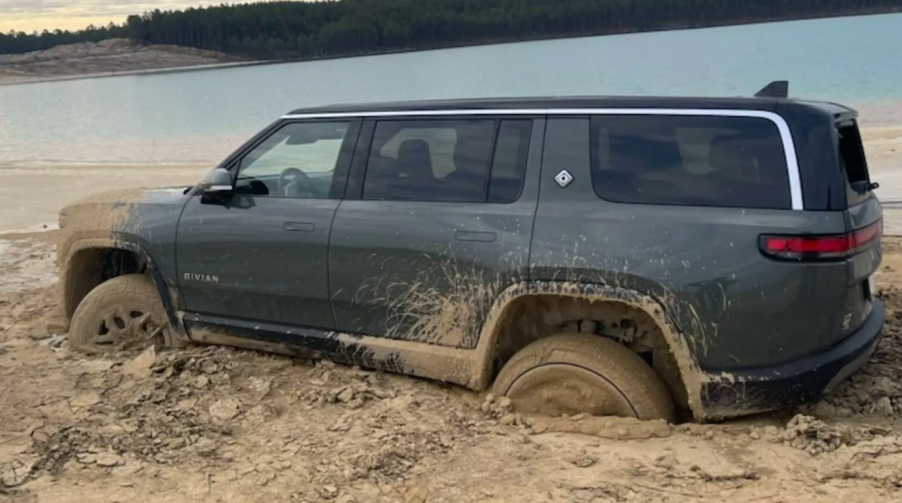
<point x="220" y="424"/>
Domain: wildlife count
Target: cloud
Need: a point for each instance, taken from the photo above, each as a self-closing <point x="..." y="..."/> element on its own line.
<point x="31" y="15"/>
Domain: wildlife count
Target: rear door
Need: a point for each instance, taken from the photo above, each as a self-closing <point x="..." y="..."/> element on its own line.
<point x="436" y="223"/>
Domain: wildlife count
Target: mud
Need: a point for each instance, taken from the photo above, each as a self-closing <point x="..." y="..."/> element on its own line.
<point x="520" y="316"/>
<point x="86" y="228"/>
<point x="449" y="315"/>
<point x="231" y="425"/>
<point x="99" y="239"/>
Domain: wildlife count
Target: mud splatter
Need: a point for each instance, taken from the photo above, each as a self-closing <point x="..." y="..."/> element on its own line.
<point x="445" y="306"/>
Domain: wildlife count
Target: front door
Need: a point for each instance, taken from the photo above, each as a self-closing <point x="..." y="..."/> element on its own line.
<point x="262" y="255"/>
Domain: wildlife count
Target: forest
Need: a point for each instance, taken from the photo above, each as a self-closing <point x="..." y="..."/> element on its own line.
<point x="307" y="30"/>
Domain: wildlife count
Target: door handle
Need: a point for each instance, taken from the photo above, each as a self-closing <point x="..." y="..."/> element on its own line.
<point x="299" y="227"/>
<point x="481" y="237"/>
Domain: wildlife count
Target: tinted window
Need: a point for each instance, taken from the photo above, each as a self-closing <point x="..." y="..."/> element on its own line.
<point x="298" y="160"/>
<point x="852" y="159"/>
<point x="692" y="161"/>
<point x="509" y="163"/>
<point x="430" y="160"/>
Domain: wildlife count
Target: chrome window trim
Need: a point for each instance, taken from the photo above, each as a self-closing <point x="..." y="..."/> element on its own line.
<point x="792" y="163"/>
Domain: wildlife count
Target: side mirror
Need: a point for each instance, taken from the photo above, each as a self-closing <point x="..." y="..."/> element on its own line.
<point x="217" y="184"/>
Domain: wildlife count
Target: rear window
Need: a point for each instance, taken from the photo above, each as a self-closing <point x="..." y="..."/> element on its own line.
<point x="690" y="161"/>
<point x="852" y="159"/>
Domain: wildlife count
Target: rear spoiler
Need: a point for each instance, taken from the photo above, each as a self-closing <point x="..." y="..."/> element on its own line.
<point x="776" y="89"/>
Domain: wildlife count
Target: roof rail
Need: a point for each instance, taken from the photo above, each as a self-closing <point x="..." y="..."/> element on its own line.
<point x="776" y="89"/>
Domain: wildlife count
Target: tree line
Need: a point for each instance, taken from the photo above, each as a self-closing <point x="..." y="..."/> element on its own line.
<point x="20" y="42"/>
<point x="350" y="27"/>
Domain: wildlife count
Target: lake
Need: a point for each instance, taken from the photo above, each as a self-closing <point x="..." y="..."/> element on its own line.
<point x="199" y="117"/>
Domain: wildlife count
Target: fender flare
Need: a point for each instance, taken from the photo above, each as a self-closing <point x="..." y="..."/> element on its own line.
<point x="682" y="349"/>
<point x="166" y="296"/>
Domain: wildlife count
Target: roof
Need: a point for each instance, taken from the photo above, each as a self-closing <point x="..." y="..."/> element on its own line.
<point x="574" y="102"/>
<point x="542" y="103"/>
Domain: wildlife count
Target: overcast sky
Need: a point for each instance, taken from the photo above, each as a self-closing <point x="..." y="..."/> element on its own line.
<point x="29" y="15"/>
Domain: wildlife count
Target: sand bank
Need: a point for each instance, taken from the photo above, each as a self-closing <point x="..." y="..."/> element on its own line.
<point x="106" y="58"/>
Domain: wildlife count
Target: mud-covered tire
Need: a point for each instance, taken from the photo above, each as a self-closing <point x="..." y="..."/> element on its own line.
<point x="583" y="373"/>
<point x="125" y="312"/>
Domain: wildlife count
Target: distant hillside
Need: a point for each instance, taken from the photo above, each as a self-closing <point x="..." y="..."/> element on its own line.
<point x="109" y="56"/>
<point x="352" y="27"/>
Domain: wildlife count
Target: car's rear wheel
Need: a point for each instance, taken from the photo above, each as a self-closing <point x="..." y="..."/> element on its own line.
<point x="122" y="313"/>
<point x="583" y="373"/>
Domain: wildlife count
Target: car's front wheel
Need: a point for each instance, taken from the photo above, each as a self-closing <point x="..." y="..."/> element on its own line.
<point x="122" y="313"/>
<point x="583" y="373"/>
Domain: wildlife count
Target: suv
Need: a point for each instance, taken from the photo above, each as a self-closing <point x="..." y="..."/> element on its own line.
<point x="643" y="257"/>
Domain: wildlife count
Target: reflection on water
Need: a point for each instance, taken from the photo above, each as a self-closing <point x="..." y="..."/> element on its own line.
<point x="202" y="116"/>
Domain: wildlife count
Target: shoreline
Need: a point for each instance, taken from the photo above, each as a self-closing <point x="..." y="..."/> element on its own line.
<point x="13" y="81"/>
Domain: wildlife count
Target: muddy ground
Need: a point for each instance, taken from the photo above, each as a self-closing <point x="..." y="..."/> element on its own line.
<point x="224" y="425"/>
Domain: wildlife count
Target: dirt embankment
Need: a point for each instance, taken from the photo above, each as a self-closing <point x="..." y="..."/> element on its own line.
<point x="224" y="425"/>
<point x="106" y="57"/>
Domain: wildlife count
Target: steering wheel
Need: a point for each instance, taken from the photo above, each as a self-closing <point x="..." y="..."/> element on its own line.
<point x="292" y="182"/>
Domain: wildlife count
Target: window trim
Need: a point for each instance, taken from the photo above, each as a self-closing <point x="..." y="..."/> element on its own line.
<point x="792" y="162"/>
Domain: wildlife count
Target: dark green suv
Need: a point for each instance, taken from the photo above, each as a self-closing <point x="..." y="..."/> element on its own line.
<point x="644" y="257"/>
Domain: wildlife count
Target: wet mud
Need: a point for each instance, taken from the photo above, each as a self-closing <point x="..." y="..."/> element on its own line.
<point x="209" y="423"/>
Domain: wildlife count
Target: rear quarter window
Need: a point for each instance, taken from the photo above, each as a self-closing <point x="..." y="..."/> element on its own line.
<point x="689" y="160"/>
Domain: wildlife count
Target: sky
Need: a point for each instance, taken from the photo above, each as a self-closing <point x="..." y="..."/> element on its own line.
<point x="30" y="15"/>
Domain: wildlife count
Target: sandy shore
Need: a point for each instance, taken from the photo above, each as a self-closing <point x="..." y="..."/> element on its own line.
<point x="30" y="198"/>
<point x="231" y="426"/>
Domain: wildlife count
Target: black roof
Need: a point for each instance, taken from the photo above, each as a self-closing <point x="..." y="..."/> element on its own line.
<point x="574" y="102"/>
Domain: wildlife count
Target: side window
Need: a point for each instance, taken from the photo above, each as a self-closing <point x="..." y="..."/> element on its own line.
<point x="430" y="160"/>
<point x="852" y="159"/>
<point x="509" y="163"/>
<point x="689" y="160"/>
<point x="296" y="161"/>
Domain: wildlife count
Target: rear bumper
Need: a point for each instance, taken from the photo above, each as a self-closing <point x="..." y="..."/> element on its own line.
<point x="801" y="381"/>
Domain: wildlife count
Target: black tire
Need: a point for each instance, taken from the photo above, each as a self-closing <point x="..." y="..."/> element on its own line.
<point x="583" y="373"/>
<point x="122" y="313"/>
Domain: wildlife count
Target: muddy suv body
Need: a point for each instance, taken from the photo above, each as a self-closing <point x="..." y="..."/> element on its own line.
<point x="729" y="244"/>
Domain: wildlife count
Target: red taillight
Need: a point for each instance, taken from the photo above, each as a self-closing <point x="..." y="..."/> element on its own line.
<point x="822" y="247"/>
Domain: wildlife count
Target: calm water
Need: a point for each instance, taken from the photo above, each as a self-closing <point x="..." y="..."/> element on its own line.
<point x="201" y="116"/>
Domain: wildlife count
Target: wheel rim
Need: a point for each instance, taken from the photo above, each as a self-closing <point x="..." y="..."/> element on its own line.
<point x="559" y="388"/>
<point x="124" y="327"/>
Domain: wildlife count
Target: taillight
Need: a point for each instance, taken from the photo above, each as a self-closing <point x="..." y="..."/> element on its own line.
<point x="822" y="247"/>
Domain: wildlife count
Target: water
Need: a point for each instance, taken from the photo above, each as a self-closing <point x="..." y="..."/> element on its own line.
<point x="201" y="116"/>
